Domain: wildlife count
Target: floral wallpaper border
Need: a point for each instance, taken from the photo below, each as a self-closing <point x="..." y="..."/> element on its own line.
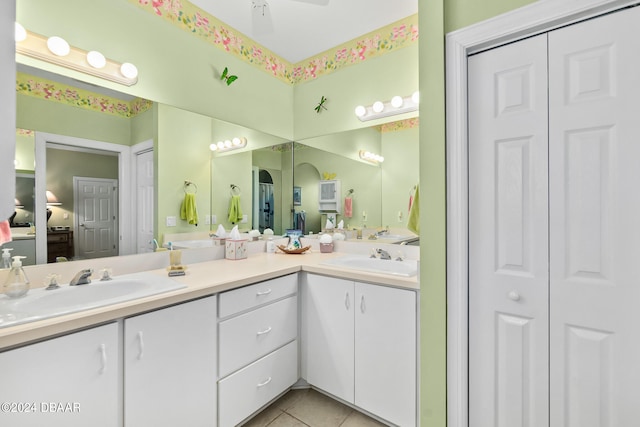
<point x="400" y="125"/>
<point x="191" y="18"/>
<point x="49" y="90"/>
<point x="25" y="132"/>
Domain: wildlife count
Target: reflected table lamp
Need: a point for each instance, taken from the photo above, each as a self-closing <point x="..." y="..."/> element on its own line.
<point x="52" y="200"/>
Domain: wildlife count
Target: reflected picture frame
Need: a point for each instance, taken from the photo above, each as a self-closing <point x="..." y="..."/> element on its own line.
<point x="297" y="196"/>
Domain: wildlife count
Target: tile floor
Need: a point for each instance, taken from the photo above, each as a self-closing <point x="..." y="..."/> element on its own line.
<point x="309" y="408"/>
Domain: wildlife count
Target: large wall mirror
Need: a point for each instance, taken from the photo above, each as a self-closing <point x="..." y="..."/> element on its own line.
<point x="380" y="193"/>
<point x="276" y="180"/>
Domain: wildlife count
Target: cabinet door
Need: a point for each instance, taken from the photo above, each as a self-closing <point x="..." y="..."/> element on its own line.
<point x="386" y="353"/>
<point x="327" y="333"/>
<point x="67" y="381"/>
<point x="170" y="366"/>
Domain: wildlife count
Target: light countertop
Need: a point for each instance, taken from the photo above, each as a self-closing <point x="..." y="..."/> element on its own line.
<point x="202" y="279"/>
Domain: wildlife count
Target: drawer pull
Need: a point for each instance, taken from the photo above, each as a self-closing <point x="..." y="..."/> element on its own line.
<point x="261" y="293"/>
<point x="266" y="331"/>
<point x="262" y="384"/>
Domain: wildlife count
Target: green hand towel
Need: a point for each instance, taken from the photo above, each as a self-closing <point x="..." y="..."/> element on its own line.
<point x="235" y="213"/>
<point x="414" y="214"/>
<point x="188" y="209"/>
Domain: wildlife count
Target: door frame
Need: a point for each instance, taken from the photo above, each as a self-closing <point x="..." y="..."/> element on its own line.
<point x="124" y="209"/>
<point x="536" y="18"/>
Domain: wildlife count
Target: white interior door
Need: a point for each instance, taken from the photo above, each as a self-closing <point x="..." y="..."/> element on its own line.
<point x="145" y="212"/>
<point x="508" y="236"/>
<point x="595" y="210"/>
<point x="96" y="201"/>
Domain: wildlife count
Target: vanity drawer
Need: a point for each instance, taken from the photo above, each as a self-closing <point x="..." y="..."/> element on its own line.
<point x="247" y="337"/>
<point x="246" y="391"/>
<point x="241" y="299"/>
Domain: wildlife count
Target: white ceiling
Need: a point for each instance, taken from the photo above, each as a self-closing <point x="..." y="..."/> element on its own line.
<point x="299" y="29"/>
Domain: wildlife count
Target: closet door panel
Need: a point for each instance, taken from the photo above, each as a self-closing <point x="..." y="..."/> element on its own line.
<point x="508" y="236"/>
<point x="594" y="215"/>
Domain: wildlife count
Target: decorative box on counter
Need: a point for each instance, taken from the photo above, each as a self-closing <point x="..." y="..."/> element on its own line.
<point x="219" y="241"/>
<point x="235" y="249"/>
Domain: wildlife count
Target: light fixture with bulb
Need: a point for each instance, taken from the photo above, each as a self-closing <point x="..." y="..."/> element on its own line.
<point x="56" y="50"/>
<point x="397" y="105"/>
<point x="371" y="157"/>
<point x="228" y="144"/>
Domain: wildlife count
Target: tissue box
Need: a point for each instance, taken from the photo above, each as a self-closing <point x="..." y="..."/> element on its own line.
<point x="235" y="249"/>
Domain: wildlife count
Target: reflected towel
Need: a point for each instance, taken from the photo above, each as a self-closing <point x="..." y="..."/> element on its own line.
<point x="414" y="214"/>
<point x="348" y="207"/>
<point x="235" y="212"/>
<point x="188" y="210"/>
<point x="5" y="232"/>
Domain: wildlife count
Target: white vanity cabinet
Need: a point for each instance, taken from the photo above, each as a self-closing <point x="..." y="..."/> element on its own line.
<point x="258" y="331"/>
<point x="359" y="343"/>
<point x="67" y="381"/>
<point x="170" y="366"/>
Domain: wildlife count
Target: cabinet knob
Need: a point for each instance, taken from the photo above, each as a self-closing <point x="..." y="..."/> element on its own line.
<point x="514" y="296"/>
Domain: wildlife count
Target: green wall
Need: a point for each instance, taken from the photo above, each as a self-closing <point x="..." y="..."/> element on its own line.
<point x="53" y="117"/>
<point x="182" y="154"/>
<point x="175" y="67"/>
<point x="377" y="79"/>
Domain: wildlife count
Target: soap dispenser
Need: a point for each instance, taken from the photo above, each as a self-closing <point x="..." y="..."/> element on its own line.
<point x="6" y="257"/>
<point x="17" y="283"/>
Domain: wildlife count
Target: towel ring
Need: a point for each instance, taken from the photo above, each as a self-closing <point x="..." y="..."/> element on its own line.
<point x="235" y="190"/>
<point x="188" y="185"/>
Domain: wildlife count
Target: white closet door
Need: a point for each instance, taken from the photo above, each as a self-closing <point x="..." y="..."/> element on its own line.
<point x="508" y="236"/>
<point x="595" y="222"/>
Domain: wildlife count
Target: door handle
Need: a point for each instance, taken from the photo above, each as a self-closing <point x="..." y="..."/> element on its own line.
<point x="514" y="296"/>
<point x="363" y="307"/>
<point x="347" y="301"/>
<point x="103" y="358"/>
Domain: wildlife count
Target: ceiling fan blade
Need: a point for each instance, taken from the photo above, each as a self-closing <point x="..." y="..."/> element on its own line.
<point x="261" y="21"/>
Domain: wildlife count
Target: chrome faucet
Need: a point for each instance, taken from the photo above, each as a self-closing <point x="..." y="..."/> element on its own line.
<point x="383" y="254"/>
<point x="82" y="277"/>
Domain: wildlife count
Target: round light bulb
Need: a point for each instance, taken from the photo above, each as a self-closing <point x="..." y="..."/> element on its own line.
<point x="228" y="143"/>
<point x="220" y="145"/>
<point x="129" y="70"/>
<point x="360" y="111"/>
<point x="236" y="141"/>
<point x="20" y="33"/>
<point x="58" y="46"/>
<point x="416" y="97"/>
<point x="96" y="59"/>
<point x="397" y="101"/>
<point x="213" y="147"/>
<point x="378" y="107"/>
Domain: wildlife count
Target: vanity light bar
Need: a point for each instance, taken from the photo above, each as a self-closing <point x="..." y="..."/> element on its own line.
<point x="371" y="157"/>
<point x="397" y="105"/>
<point x="229" y="144"/>
<point x="56" y="50"/>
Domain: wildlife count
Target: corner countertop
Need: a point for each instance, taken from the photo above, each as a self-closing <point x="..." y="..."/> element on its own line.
<point x="202" y="279"/>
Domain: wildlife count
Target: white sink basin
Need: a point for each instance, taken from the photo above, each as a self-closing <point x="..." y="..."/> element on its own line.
<point x="406" y="268"/>
<point x="191" y="244"/>
<point x="41" y="304"/>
